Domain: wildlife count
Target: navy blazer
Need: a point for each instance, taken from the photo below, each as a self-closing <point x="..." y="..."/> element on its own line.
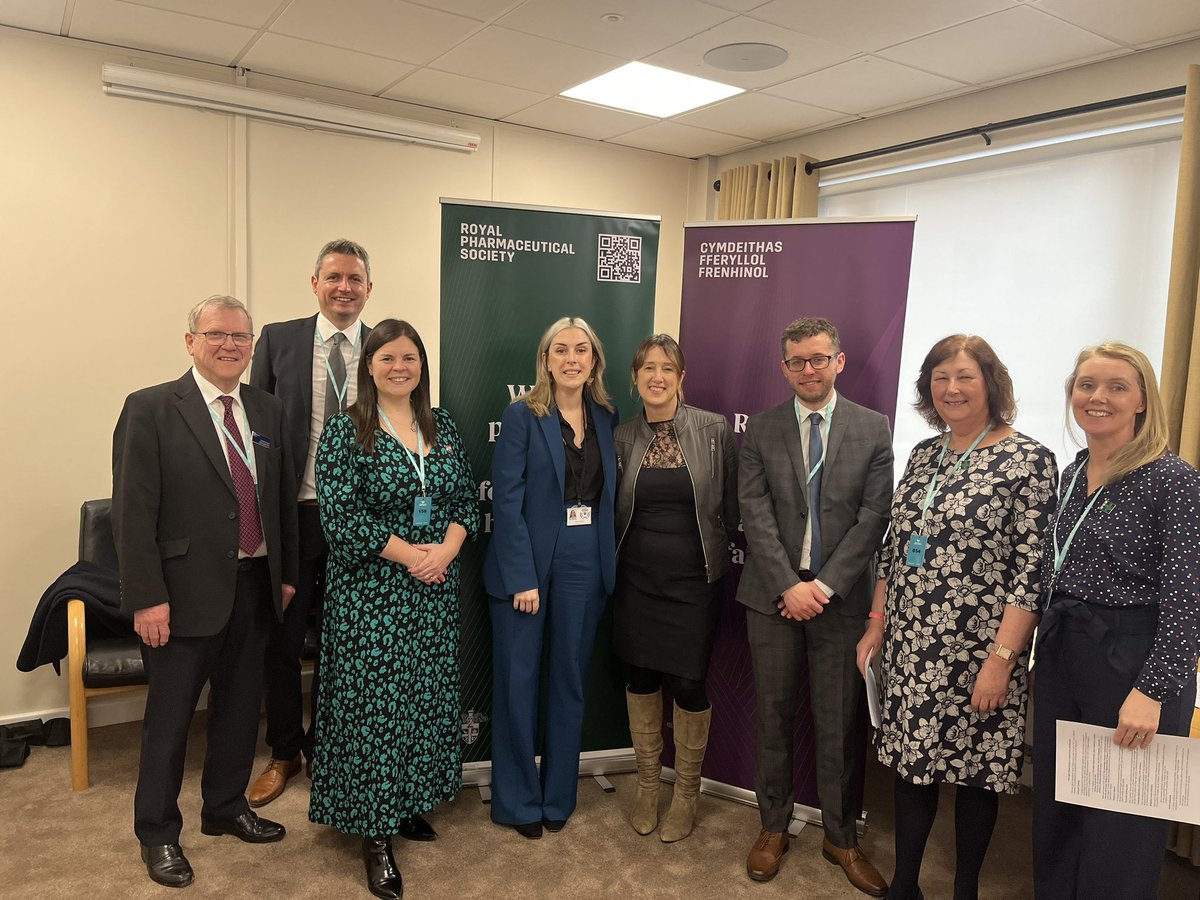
<point x="528" y="480"/>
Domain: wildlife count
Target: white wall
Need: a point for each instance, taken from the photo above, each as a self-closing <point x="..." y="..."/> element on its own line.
<point x="121" y="214"/>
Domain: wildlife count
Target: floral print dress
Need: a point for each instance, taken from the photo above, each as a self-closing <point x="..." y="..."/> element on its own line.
<point x="987" y="530"/>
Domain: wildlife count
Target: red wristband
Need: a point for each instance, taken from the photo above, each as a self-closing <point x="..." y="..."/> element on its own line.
<point x="874" y="615"/>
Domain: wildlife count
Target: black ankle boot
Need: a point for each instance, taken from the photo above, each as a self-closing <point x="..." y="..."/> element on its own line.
<point x="383" y="876"/>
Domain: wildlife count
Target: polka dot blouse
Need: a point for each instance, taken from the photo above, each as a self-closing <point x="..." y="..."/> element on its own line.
<point x="1139" y="545"/>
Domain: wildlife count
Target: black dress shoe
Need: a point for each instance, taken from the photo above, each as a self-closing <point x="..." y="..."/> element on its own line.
<point x="531" y="830"/>
<point x="248" y="827"/>
<point x="166" y="865"/>
<point x="383" y="875"/>
<point x="554" y="824"/>
<point x="416" y="829"/>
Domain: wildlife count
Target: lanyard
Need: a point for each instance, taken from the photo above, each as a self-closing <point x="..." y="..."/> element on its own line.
<point x="345" y="387"/>
<point x="1060" y="555"/>
<point x="826" y="414"/>
<point x="932" y="490"/>
<point x="240" y="449"/>
<point x="419" y="462"/>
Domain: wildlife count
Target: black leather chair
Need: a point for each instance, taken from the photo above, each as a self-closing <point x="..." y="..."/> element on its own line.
<point x="110" y="665"/>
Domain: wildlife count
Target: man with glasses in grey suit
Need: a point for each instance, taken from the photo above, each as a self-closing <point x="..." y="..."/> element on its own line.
<point x="815" y="485"/>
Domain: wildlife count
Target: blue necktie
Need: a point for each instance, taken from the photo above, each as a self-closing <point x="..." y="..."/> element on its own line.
<point x="815" y="556"/>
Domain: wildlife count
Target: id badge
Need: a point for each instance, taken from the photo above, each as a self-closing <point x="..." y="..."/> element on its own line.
<point x="422" y="507"/>
<point x="579" y="515"/>
<point x="917" y="545"/>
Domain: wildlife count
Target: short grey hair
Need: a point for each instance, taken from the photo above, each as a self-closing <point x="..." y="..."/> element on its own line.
<point x="217" y="301"/>
<point x="347" y="247"/>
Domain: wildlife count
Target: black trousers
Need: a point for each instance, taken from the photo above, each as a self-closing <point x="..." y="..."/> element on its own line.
<point x="231" y="661"/>
<point x="1088" y="659"/>
<point x="286" y="732"/>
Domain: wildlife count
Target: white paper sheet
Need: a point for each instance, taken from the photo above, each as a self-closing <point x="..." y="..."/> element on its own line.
<point x="1162" y="780"/>
<point x="872" y="695"/>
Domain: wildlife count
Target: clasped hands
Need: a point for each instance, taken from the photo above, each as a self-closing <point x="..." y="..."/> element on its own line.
<point x="432" y="563"/>
<point x="802" y="601"/>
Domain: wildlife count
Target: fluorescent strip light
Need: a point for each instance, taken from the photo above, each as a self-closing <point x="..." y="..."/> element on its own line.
<point x="1000" y="151"/>
<point x="650" y="90"/>
<point x="145" y="84"/>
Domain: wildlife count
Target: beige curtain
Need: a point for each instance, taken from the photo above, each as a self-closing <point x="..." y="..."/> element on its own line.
<point x="1181" y="345"/>
<point x="768" y="190"/>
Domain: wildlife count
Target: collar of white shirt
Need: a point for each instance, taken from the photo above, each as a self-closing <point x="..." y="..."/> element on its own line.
<point x="327" y="329"/>
<point x="210" y="392"/>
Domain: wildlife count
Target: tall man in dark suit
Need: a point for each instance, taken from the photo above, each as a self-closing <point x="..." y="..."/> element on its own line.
<point x="815" y="484"/>
<point x="205" y="526"/>
<point x="311" y="365"/>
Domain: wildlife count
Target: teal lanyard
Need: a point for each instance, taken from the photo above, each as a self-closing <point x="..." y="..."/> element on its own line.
<point x="932" y="491"/>
<point x="241" y="451"/>
<point x="419" y="462"/>
<point x="1060" y="554"/>
<point x="345" y="386"/>
<point x="826" y="414"/>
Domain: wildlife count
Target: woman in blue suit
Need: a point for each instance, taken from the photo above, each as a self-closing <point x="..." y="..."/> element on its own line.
<point x="549" y="569"/>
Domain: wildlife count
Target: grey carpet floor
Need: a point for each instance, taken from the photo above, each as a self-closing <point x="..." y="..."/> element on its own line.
<point x="55" y="843"/>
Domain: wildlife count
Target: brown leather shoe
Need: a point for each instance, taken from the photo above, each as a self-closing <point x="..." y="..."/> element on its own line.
<point x="273" y="780"/>
<point x="858" y="869"/>
<point x="763" y="862"/>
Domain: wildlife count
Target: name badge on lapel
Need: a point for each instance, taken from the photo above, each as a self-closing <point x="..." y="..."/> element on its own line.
<point x="260" y="440"/>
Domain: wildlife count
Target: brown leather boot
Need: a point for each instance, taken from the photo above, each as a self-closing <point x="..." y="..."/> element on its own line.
<point x="691" y="740"/>
<point x="273" y="780"/>
<point x="645" y="727"/>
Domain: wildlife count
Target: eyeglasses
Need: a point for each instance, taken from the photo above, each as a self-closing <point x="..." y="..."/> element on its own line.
<point x="217" y="338"/>
<point x="797" y="363"/>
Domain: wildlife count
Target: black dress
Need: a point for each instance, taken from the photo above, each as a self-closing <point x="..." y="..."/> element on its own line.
<point x="665" y="611"/>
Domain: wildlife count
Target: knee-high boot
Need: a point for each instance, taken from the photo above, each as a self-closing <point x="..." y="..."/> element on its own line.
<point x="645" y="727"/>
<point x="691" y="740"/>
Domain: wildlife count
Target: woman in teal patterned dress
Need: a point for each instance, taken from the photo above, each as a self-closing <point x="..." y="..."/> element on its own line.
<point x="397" y="500"/>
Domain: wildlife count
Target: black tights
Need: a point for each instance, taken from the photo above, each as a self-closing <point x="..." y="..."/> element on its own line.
<point x="689" y="695"/>
<point x="974" y="818"/>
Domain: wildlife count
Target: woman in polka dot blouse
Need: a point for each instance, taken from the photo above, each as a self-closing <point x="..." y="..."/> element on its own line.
<point x="1120" y="629"/>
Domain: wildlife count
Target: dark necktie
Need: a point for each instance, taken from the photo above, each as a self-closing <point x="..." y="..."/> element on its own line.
<point x="250" y="534"/>
<point x="815" y="445"/>
<point x="335" y="377"/>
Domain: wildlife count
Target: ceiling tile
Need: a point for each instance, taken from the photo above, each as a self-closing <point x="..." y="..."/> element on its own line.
<point x="758" y="116"/>
<point x="524" y="61"/>
<point x="388" y="28"/>
<point x="863" y="84"/>
<point x="805" y="54"/>
<point x="1011" y="43"/>
<point x="481" y="10"/>
<point x="125" y="25"/>
<point x="583" y="119"/>
<point x="36" y="15"/>
<point x="680" y="140"/>
<point x="736" y="5"/>
<point x="458" y="93"/>
<point x="645" y="28"/>
<point x="251" y="13"/>
<point x="1144" y="22"/>
<point x="868" y="25"/>
<point x="289" y="57"/>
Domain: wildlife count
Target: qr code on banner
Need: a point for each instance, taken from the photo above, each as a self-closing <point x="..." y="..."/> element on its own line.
<point x="620" y="258"/>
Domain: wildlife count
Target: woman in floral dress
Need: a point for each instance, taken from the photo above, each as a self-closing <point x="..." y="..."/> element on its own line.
<point x="955" y="604"/>
<point x="397" y="500"/>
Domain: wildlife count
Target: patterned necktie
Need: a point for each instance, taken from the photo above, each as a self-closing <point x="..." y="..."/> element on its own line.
<point x="815" y="445"/>
<point x="250" y="534"/>
<point x="336" y="377"/>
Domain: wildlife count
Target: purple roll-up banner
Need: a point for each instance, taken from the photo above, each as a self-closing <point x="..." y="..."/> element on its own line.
<point x="743" y="283"/>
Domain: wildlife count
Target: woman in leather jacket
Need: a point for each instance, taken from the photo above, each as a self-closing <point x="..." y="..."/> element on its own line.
<point x="676" y="507"/>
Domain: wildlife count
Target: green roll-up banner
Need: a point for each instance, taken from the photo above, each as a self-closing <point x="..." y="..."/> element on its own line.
<point x="508" y="272"/>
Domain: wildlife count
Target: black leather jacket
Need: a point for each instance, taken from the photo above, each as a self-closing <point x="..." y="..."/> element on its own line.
<point x="706" y="440"/>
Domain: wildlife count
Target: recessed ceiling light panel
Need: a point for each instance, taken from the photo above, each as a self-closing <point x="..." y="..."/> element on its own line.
<point x="651" y="90"/>
<point x="746" y="57"/>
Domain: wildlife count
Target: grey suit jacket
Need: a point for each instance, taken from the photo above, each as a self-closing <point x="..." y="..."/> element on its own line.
<point x="175" y="510"/>
<point x="856" y="492"/>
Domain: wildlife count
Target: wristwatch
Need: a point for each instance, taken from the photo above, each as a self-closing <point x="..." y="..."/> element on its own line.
<point x="1005" y="653"/>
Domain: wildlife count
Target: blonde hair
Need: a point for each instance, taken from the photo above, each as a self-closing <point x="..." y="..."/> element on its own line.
<point x="1149" y="426"/>
<point x="540" y="397"/>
